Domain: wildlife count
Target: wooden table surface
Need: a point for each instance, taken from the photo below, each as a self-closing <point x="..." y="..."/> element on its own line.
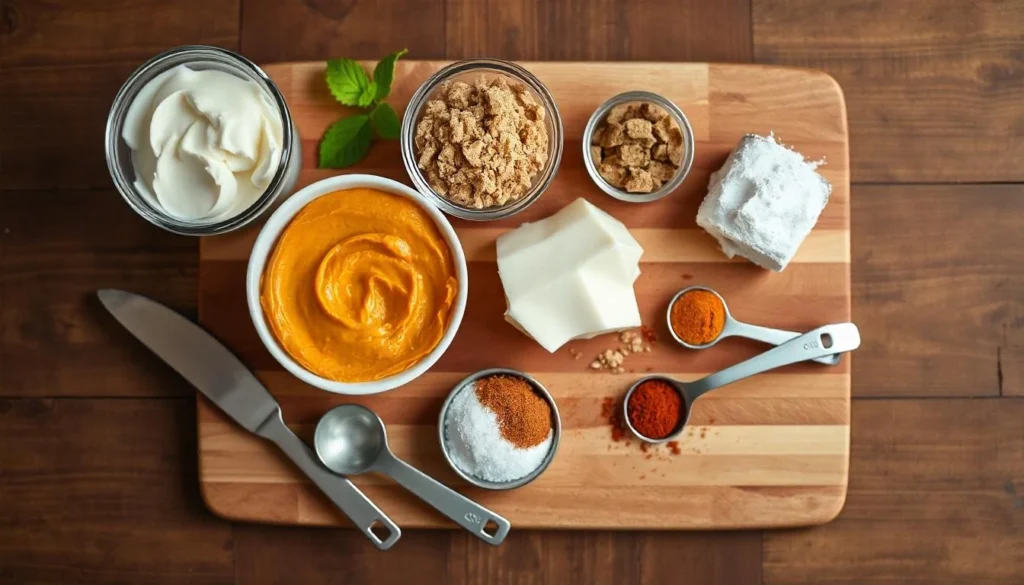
<point x="97" y="437"/>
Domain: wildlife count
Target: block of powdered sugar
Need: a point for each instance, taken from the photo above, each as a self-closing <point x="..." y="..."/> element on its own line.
<point x="763" y="202"/>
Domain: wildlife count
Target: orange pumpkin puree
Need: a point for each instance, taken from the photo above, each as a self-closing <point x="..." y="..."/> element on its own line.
<point x="360" y="285"/>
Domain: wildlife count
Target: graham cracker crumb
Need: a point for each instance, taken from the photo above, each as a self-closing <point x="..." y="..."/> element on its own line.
<point x="481" y="145"/>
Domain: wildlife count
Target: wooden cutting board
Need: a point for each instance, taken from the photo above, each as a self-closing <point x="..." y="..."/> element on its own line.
<point x="768" y="451"/>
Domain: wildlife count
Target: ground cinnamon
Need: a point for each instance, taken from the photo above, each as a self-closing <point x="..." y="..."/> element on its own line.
<point x="698" y="317"/>
<point x="655" y="409"/>
<point x="524" y="416"/>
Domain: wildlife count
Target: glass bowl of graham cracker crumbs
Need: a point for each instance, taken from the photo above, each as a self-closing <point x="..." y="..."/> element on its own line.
<point x="638" y="147"/>
<point x="482" y="139"/>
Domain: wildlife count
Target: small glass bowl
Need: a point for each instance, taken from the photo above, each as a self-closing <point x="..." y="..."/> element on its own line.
<point x="674" y="111"/>
<point x="119" y="155"/>
<point x="469" y="71"/>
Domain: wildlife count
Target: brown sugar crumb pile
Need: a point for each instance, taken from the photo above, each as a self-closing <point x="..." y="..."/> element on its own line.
<point x="637" y="147"/>
<point x="523" y="415"/>
<point x="613" y="359"/>
<point x="480" y="145"/>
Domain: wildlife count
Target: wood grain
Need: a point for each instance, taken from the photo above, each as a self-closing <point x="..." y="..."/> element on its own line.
<point x="292" y="30"/>
<point x="104" y="491"/>
<point x="936" y="496"/>
<point x="574" y="30"/>
<point x="62" y="62"/>
<point x="760" y="454"/>
<point x="942" y="308"/>
<point x="58" y="248"/>
<point x="933" y="85"/>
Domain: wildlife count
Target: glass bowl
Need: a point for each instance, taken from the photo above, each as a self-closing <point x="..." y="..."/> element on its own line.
<point x="119" y="155"/>
<point x="674" y="111"/>
<point x="469" y="71"/>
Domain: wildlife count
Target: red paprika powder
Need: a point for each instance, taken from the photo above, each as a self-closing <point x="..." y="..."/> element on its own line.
<point x="655" y="409"/>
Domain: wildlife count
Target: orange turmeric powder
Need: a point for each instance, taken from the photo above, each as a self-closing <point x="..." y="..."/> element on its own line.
<point x="698" y="317"/>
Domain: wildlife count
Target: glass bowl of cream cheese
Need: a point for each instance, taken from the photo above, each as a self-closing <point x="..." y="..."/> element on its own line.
<point x="199" y="141"/>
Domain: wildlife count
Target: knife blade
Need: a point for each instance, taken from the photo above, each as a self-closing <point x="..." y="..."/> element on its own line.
<point x="224" y="379"/>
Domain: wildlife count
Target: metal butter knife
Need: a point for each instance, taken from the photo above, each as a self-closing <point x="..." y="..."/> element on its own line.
<point x="218" y="374"/>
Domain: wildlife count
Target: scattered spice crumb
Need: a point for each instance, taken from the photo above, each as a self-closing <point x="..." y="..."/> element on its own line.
<point x="643" y="476"/>
<point x="649" y="335"/>
<point x="687" y="277"/>
<point x="645" y="447"/>
<point x="612" y="359"/>
<point x="673" y="446"/>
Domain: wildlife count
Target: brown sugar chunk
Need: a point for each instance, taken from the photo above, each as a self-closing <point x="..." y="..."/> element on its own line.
<point x="638" y="128"/>
<point x="661" y="129"/>
<point x="614" y="135"/>
<point x="652" y="112"/>
<point x="595" y="154"/>
<point x="617" y="114"/>
<point x="661" y="171"/>
<point x="639" y="181"/>
<point x="634" y="155"/>
<point x="660" y="152"/>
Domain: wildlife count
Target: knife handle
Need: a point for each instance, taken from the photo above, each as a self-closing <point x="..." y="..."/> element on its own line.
<point x="366" y="516"/>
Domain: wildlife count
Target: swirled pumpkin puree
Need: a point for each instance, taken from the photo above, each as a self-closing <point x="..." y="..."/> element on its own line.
<point x="360" y="285"/>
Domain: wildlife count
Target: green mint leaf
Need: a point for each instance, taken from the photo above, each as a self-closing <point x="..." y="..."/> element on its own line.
<point x="386" y="121"/>
<point x="346" y="142"/>
<point x="384" y="73"/>
<point x="347" y="81"/>
<point x="369" y="93"/>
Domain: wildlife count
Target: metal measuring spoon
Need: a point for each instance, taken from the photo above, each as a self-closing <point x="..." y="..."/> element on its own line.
<point x="736" y="328"/>
<point x="350" y="439"/>
<point x="814" y="344"/>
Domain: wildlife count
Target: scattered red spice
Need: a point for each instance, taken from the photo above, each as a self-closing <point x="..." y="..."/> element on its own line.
<point x="650" y="335"/>
<point x="645" y="447"/>
<point x="655" y="409"/>
<point x="673" y="446"/>
<point x="612" y="413"/>
<point x="687" y="277"/>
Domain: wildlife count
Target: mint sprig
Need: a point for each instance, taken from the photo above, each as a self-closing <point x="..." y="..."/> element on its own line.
<point x="348" y="140"/>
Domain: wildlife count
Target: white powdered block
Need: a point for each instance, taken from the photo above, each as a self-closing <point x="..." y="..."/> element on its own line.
<point x="763" y="202"/>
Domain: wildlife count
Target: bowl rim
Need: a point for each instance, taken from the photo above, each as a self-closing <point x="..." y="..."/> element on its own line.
<point x="556" y="429"/>
<point x="419" y="100"/>
<point x="267" y="239"/>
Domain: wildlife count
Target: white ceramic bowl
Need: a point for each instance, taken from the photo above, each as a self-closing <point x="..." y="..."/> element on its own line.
<point x="264" y="245"/>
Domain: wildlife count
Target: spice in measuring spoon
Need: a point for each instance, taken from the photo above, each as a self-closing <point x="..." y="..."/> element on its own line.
<point x="697" y="316"/>
<point x="655" y="409"/>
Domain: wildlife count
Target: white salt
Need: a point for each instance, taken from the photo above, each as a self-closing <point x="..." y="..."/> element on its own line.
<point x="763" y="202"/>
<point x="476" y="446"/>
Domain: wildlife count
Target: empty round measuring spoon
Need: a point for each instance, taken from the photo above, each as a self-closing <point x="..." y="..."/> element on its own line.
<point x="736" y="328"/>
<point x="822" y="341"/>
<point x="350" y="439"/>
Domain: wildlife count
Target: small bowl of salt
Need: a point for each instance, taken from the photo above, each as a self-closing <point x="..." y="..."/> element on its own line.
<point x="499" y="429"/>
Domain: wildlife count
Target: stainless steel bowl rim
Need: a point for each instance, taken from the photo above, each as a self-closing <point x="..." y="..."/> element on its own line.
<point x="688" y="143"/>
<point x="427" y="89"/>
<point x="556" y="431"/>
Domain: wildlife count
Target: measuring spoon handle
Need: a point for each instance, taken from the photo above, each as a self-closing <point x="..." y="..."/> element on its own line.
<point x="776" y="337"/>
<point x="465" y="512"/>
<point x="827" y="340"/>
<point x="345" y="495"/>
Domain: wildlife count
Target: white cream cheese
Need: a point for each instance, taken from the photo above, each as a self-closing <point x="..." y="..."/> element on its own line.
<point x="570" y="276"/>
<point x="763" y="202"/>
<point x="205" y="144"/>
